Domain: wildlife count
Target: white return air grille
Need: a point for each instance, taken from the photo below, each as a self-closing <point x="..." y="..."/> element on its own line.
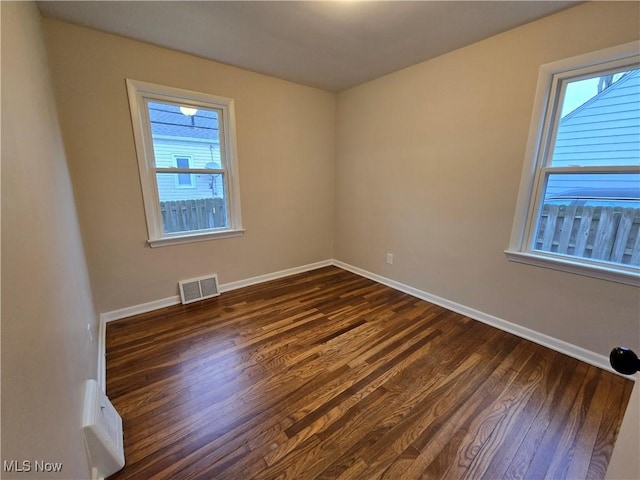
<point x="199" y="288"/>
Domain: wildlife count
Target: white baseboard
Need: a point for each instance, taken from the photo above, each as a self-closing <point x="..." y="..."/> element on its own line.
<point x="117" y="315"/>
<point x="579" y="353"/>
<point x="561" y="346"/>
<point x="138" y="309"/>
<point x="226" y="287"/>
<point x="101" y="378"/>
<point x="169" y="301"/>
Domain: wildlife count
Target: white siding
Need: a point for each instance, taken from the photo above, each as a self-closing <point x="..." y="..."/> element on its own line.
<point x="605" y="130"/>
<point x="201" y="153"/>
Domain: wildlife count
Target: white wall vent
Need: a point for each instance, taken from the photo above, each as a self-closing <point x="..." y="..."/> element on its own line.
<point x="199" y="288"/>
<point x="102" y="427"/>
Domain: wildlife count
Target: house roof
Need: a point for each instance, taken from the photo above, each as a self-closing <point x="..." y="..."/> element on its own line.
<point x="605" y="130"/>
<point x="166" y="119"/>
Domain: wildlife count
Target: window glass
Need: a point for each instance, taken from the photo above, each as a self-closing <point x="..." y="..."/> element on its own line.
<point x="592" y="215"/>
<point x="184" y="179"/>
<point x="187" y="162"/>
<point x="579" y="202"/>
<point x="182" y="211"/>
<point x="600" y="121"/>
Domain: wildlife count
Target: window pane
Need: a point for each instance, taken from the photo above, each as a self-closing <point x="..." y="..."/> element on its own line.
<point x="185" y="131"/>
<point x="600" y="124"/>
<point x="184" y="179"/>
<point x="592" y="215"/>
<point x="199" y="208"/>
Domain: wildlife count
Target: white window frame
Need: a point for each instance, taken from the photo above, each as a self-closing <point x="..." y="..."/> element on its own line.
<point x="541" y="133"/>
<point x="138" y="93"/>
<point x="192" y="177"/>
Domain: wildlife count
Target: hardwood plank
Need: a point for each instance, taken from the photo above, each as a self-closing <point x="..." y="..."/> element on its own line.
<point x="489" y="428"/>
<point x="506" y="451"/>
<point x="547" y="417"/>
<point x="327" y="375"/>
<point x="608" y="428"/>
<point x="449" y="419"/>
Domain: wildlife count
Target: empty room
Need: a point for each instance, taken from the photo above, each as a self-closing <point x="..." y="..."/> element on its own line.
<point x="320" y="240"/>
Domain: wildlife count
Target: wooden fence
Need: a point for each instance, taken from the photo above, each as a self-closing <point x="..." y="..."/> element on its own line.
<point x="611" y="234"/>
<point x="195" y="214"/>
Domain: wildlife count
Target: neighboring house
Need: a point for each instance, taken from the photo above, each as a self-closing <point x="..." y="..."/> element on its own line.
<point x="603" y="131"/>
<point x="186" y="141"/>
<point x="596" y="214"/>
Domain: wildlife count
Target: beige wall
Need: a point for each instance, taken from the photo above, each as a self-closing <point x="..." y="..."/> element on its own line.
<point x="428" y="168"/>
<point x="286" y="159"/>
<point x="46" y="300"/>
<point x="426" y="162"/>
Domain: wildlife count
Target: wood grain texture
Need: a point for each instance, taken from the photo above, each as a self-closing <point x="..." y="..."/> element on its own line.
<point x="328" y="375"/>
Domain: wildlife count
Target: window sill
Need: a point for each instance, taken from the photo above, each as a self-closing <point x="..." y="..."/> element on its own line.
<point x="610" y="273"/>
<point x="194" y="237"/>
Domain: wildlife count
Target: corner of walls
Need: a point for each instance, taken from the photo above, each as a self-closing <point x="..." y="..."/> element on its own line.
<point x="563" y="347"/>
<point x="451" y="163"/>
<point x="126" y="312"/>
<point x="566" y="348"/>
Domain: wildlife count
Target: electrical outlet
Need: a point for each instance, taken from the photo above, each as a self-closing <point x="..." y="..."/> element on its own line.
<point x="390" y="258"/>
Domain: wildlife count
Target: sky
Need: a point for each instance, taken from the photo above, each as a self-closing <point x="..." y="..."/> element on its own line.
<point x="581" y="91"/>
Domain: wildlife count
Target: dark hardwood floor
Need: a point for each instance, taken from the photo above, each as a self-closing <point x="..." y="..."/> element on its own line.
<point x="328" y="375"/>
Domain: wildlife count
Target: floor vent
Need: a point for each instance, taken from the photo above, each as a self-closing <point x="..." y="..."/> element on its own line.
<point x="200" y="288"/>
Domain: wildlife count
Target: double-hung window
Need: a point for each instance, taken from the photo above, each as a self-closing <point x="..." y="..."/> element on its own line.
<point x="187" y="159"/>
<point x="579" y="202"/>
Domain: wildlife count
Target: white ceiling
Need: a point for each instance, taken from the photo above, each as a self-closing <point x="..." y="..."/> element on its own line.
<point x="327" y="44"/>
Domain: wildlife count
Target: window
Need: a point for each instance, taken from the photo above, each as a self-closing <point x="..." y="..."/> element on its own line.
<point x="184" y="180"/>
<point x="579" y="202"/>
<point x="192" y="195"/>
